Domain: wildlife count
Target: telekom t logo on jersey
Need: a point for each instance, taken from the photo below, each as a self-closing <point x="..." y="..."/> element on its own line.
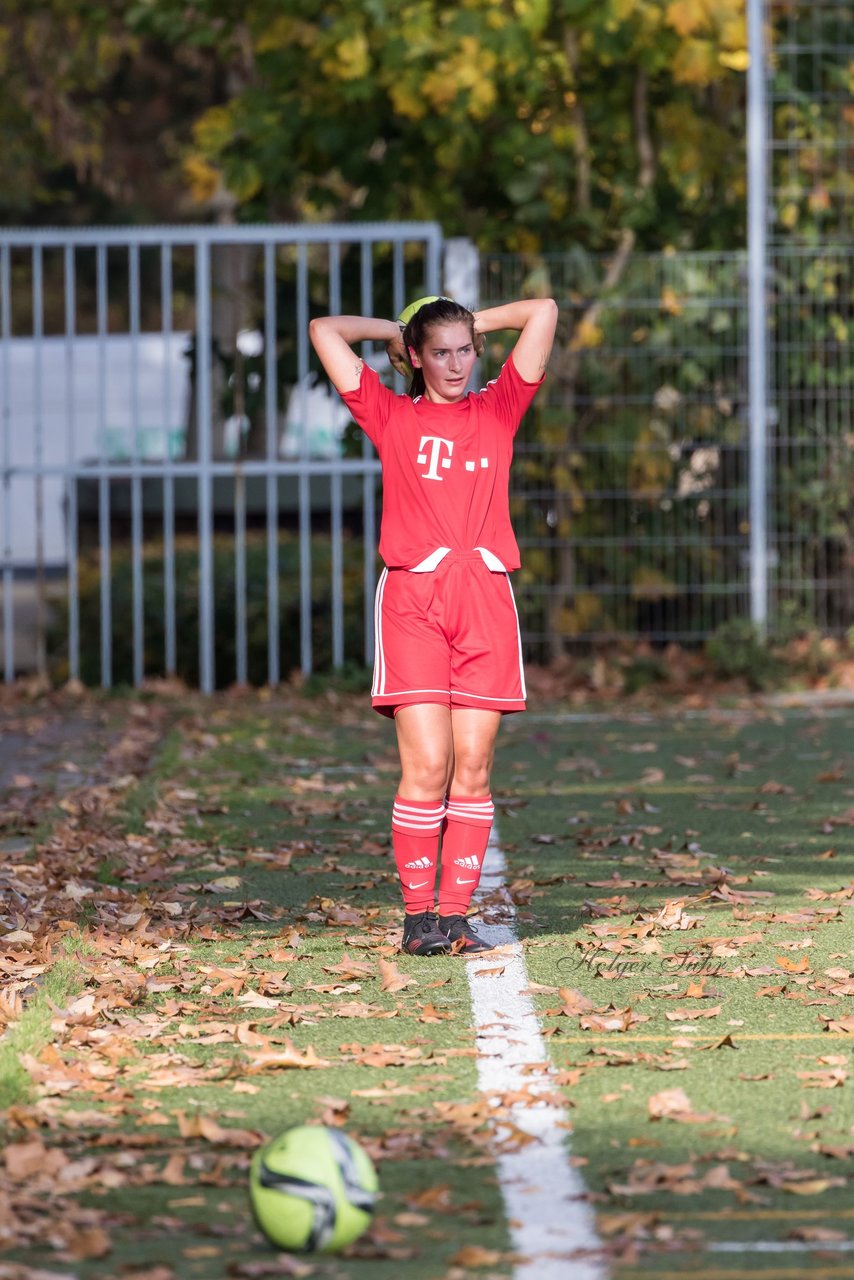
<point x="438" y="459"/>
<point x="437" y="444"/>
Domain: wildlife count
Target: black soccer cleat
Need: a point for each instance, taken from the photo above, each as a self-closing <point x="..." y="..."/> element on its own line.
<point x="462" y="935"/>
<point x="422" y="936"/>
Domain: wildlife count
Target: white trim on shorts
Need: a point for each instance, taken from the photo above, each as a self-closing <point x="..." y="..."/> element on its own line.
<point x="377" y="690"/>
<point x="518" y="636"/>
<point x="451" y="693"/>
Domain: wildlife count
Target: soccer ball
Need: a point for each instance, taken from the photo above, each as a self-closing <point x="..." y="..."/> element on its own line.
<point x="312" y="1189"/>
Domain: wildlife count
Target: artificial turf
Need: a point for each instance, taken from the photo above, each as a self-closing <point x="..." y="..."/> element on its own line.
<point x="742" y="823"/>
<point x="676" y="863"/>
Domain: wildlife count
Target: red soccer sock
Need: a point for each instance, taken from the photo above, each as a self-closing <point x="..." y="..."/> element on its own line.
<point x="467" y="825"/>
<point x="415" y="829"/>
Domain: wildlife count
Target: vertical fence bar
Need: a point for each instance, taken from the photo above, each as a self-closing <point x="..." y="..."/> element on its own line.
<point x="38" y="448"/>
<point x="207" y="672"/>
<point x="169" y="628"/>
<point x="240" y="415"/>
<point x="335" y="493"/>
<point x="398" y="293"/>
<point x="103" y="479"/>
<point x="398" y="278"/>
<point x="138" y="623"/>
<point x="241" y="654"/>
<point x="6" y="427"/>
<point x="757" y="249"/>
<point x="73" y="587"/>
<point x="306" y="656"/>
<point x="271" y="411"/>
<point x="369" y="492"/>
<point x="433" y="266"/>
<point x="240" y="645"/>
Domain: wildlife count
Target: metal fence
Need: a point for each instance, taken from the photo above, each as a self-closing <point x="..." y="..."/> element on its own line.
<point x="179" y="495"/>
<point x="158" y="447"/>
<point x="631" y="488"/>
<point x="811" y="120"/>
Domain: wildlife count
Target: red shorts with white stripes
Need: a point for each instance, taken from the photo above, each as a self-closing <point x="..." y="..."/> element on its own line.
<point x="449" y="636"/>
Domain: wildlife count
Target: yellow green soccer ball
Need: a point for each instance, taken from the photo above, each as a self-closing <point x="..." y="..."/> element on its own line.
<point x="312" y="1189"/>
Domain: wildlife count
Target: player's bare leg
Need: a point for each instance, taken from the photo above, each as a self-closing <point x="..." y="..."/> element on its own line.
<point x="474" y="733"/>
<point x="426" y="744"/>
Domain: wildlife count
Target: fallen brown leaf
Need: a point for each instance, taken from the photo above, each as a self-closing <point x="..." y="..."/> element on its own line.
<point x="816" y="1235"/>
<point x="574" y="1002"/>
<point x="611" y="1020"/>
<point x="282" y="1059"/>
<point x="89" y="1242"/>
<point x="793" y="966"/>
<point x="472" y="1255"/>
<point x="832" y="1078"/>
<point x="674" y="1104"/>
<point x="691" y="1015"/>
<point x="844" y="1024"/>
<point x="392" y="978"/>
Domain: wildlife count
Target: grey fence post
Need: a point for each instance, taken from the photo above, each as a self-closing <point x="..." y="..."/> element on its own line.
<point x="462" y="271"/>
<point x="207" y="670"/>
<point x="757" y="250"/>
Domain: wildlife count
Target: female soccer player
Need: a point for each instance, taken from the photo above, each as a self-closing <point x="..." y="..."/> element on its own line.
<point x="448" y="651"/>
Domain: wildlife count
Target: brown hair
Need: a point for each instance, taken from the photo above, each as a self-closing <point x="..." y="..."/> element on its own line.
<point x="417" y="331"/>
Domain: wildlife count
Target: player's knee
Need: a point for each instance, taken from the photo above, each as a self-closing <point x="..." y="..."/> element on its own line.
<point x="471" y="774"/>
<point x="428" y="775"/>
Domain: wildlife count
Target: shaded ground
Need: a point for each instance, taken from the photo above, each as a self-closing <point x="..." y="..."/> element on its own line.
<point x="44" y="748"/>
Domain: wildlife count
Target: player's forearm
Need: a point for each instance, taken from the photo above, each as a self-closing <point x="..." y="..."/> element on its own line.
<point x="357" y="328"/>
<point x="512" y="315"/>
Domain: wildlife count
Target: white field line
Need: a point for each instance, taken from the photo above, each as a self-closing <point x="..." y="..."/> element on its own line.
<point x="551" y="1225"/>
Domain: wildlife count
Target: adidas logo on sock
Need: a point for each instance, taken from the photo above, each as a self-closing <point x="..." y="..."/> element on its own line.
<point x="420" y="864"/>
<point x="470" y="864"/>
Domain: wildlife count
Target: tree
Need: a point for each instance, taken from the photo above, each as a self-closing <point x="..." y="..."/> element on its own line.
<point x="513" y="123"/>
<point x="95" y="117"/>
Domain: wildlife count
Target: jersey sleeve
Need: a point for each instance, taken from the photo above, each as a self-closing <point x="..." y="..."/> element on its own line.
<point x="371" y="405"/>
<point x="509" y="396"/>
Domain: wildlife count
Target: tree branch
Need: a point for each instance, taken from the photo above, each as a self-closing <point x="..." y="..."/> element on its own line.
<point x="580" y="137"/>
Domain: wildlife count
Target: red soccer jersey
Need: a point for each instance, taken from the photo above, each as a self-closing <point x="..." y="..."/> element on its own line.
<point x="446" y="467"/>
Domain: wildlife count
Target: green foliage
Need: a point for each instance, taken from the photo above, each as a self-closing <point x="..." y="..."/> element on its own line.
<point x="515" y="124"/>
<point x="643" y="670"/>
<point x="515" y="127"/>
<point x="736" y="650"/>
<point x="187" y="609"/>
<point x="528" y="125"/>
<point x="353" y="677"/>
